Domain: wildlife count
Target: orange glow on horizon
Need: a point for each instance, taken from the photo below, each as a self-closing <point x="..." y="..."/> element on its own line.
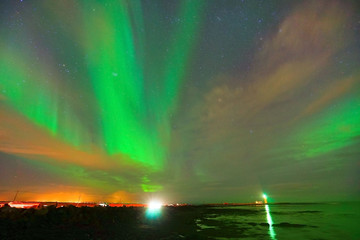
<point x="71" y="195"/>
<point x="23" y="205"/>
<point x="64" y="197"/>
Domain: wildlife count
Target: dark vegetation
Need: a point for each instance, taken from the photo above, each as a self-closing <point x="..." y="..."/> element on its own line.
<point x="185" y="222"/>
<point x="98" y="223"/>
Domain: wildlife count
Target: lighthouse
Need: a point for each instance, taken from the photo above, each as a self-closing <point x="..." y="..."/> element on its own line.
<point x="265" y="198"/>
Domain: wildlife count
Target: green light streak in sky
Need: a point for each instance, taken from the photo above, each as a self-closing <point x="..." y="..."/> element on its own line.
<point x="24" y="95"/>
<point x="115" y="67"/>
<point x="28" y="89"/>
<point x="181" y="49"/>
<point x="148" y="187"/>
<point x="77" y="175"/>
<point x="135" y="120"/>
<point x="118" y="83"/>
<point x="336" y="128"/>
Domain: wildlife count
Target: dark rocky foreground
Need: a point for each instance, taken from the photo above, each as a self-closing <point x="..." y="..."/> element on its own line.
<point x="184" y="222"/>
<point x="99" y="223"/>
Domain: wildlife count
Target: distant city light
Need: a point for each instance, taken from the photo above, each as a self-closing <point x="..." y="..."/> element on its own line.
<point x="153" y="209"/>
<point x="154" y="205"/>
<point x="23" y="205"/>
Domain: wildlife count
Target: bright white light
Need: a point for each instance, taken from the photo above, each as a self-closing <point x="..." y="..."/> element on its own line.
<point x="154" y="205"/>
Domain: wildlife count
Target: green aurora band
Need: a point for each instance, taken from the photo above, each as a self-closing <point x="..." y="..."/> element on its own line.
<point x="27" y="88"/>
<point x="117" y="75"/>
<point x="135" y="117"/>
<point x="335" y="129"/>
<point x="123" y="100"/>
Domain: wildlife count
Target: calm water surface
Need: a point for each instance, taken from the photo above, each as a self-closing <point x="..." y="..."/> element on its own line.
<point x="283" y="221"/>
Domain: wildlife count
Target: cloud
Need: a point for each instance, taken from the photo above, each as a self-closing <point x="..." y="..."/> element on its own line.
<point x="244" y="117"/>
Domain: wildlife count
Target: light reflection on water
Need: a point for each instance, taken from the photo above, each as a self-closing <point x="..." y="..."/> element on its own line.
<point x="153" y="213"/>
<point x="270" y="222"/>
<point x="283" y="221"/>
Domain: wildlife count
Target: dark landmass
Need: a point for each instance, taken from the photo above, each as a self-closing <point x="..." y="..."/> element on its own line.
<point x="134" y="222"/>
<point x="98" y="223"/>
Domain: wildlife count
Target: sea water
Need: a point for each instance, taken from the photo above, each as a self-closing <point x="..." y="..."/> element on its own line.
<point x="282" y="221"/>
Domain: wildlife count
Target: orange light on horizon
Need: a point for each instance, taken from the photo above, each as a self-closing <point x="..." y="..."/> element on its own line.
<point x="23" y="205"/>
<point x="64" y="197"/>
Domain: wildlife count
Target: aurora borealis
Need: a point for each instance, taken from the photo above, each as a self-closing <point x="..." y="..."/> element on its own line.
<point x="186" y="101"/>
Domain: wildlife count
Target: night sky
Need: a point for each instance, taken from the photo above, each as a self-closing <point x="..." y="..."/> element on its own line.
<point x="182" y="101"/>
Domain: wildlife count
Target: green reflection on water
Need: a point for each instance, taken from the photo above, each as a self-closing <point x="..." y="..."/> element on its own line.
<point x="270" y="222"/>
<point x="153" y="213"/>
